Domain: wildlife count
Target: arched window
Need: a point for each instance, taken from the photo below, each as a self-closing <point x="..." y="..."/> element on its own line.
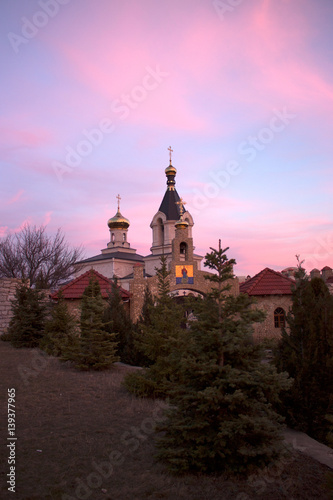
<point x="124" y="236"/>
<point x="279" y="317"/>
<point x="112" y="237"/>
<point x="160" y="232"/>
<point x="183" y="251"/>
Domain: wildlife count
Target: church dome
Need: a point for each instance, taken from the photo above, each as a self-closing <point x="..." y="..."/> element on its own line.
<point x="118" y="222"/>
<point x="181" y="223"/>
<point x="170" y="170"/>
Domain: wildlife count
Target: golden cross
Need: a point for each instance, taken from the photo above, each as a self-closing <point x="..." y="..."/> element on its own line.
<point x="181" y="204"/>
<point x="118" y="198"/>
<point x="171" y="151"/>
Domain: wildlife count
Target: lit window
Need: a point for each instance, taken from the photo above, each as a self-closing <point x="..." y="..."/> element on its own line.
<point x="279" y="317"/>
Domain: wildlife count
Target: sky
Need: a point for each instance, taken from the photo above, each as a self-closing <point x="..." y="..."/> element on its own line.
<point x="93" y="93"/>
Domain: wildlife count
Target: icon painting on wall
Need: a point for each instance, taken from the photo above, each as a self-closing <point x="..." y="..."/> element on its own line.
<point x="184" y="275"/>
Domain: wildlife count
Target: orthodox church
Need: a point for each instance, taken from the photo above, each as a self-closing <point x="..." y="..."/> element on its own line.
<point x="171" y="236"/>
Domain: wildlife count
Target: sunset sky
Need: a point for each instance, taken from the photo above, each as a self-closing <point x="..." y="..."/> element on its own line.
<point x="93" y="92"/>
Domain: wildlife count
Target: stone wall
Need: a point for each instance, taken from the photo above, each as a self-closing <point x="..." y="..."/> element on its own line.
<point x="139" y="283"/>
<point x="269" y="303"/>
<point x="7" y="292"/>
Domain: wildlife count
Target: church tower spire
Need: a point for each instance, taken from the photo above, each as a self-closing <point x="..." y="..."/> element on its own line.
<point x="118" y="226"/>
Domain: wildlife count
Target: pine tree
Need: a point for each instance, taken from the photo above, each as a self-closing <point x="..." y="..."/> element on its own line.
<point x="26" y="327"/>
<point x="147" y="306"/>
<point x="60" y="329"/>
<point x="221" y="416"/>
<point x="306" y="353"/>
<point x="159" y="338"/>
<point x="96" y="348"/>
<point x="118" y="321"/>
<point x="143" y="322"/>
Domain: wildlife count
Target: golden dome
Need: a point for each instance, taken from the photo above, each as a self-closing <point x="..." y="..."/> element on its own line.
<point x="170" y="170"/>
<point x="181" y="224"/>
<point x="118" y="222"/>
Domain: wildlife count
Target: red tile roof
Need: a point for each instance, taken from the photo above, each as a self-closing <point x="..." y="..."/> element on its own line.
<point x="267" y="282"/>
<point x="76" y="287"/>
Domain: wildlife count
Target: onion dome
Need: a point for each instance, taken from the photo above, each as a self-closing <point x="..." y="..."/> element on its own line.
<point x="118" y="221"/>
<point x="181" y="223"/>
<point x="170" y="172"/>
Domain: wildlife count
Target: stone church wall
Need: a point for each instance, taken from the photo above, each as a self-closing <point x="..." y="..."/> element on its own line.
<point x="7" y="293"/>
<point x="139" y="283"/>
<point x="268" y="303"/>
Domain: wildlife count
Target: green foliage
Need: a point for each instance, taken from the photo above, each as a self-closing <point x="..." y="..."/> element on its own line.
<point x="158" y="339"/>
<point x="95" y="349"/>
<point x="306" y="353"/>
<point x="60" y="329"/>
<point x="148" y="305"/>
<point x="117" y="321"/>
<point x="26" y="328"/>
<point x="221" y="416"/>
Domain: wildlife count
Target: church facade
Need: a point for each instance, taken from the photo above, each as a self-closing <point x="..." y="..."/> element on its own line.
<point x="171" y="237"/>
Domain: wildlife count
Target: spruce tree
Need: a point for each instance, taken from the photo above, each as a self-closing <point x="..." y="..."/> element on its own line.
<point x="118" y="321"/>
<point x="147" y="306"/>
<point x="221" y="416"/>
<point x="26" y="327"/>
<point x="306" y="353"/>
<point x="60" y="329"/>
<point x="159" y="338"/>
<point x="95" y="349"/>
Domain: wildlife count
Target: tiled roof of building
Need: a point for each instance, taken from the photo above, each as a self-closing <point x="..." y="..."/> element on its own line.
<point x="75" y="288"/>
<point x="267" y="282"/>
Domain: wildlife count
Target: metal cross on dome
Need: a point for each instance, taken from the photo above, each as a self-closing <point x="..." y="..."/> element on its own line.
<point x="118" y="198"/>
<point x="170" y="151"/>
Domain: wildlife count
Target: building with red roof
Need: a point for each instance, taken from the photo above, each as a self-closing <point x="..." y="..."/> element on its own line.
<point x="273" y="292"/>
<point x="73" y="291"/>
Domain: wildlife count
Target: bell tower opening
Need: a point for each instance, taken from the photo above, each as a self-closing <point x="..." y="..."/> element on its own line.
<point x="183" y="253"/>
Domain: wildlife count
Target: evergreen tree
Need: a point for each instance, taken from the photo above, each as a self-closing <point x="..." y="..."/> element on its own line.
<point x="26" y="327"/>
<point x="221" y="416"/>
<point x="159" y="338"/>
<point x="96" y="348"/>
<point x="148" y="305"/>
<point x="118" y="321"/>
<point x="60" y="329"/>
<point x="306" y="353"/>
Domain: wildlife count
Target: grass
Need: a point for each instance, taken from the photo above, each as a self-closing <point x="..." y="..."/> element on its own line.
<point x="80" y="435"/>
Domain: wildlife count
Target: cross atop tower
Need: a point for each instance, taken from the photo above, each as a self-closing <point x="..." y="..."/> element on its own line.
<point x="118" y="198"/>
<point x="170" y="151"/>
<point x="181" y="204"/>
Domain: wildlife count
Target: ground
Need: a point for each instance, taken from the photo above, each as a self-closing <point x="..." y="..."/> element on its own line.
<point x="80" y="435"/>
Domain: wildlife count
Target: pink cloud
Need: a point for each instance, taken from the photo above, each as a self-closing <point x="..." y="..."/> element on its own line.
<point x="16" y="197"/>
<point x="14" y="137"/>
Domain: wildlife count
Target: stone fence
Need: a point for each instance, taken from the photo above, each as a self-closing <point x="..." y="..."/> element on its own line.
<point x="7" y="292"/>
